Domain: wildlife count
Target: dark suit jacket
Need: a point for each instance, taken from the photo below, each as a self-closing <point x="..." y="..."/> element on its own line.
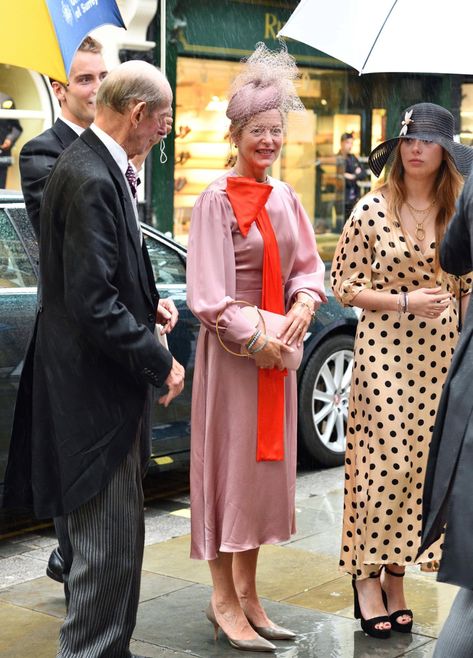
<point x="93" y="355"/>
<point x="37" y="158"/>
<point x="448" y="490"/>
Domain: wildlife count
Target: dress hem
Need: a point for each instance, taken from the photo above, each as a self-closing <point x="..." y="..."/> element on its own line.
<point x="399" y="563"/>
<point x="226" y="548"/>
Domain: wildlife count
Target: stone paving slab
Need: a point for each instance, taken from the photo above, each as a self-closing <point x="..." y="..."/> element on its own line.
<point x="300" y="583"/>
<point x="177" y="620"/>
<point x="26" y="633"/>
<point x="171" y="616"/>
<point x="19" y="568"/>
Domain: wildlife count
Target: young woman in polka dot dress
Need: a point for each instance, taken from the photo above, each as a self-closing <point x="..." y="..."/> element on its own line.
<point x="387" y="264"/>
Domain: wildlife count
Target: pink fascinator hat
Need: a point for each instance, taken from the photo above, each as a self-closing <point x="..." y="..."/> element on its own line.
<point x="265" y="83"/>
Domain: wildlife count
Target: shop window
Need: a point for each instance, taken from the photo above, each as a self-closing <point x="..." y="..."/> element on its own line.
<point x="32" y="109"/>
<point x="308" y="159"/>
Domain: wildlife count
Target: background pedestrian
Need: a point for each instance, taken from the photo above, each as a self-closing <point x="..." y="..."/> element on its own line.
<point x="351" y="170"/>
<point x="10" y="130"/>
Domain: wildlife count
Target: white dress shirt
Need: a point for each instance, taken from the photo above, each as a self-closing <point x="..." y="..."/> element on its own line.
<point x="120" y="156"/>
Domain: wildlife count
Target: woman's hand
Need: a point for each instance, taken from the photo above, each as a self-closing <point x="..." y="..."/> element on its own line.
<point x="298" y="319"/>
<point x="428" y="302"/>
<point x="271" y="355"/>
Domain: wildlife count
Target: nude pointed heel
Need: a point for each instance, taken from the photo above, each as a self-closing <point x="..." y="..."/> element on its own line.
<point x="258" y="644"/>
<point x="274" y="632"/>
<point x="209" y="613"/>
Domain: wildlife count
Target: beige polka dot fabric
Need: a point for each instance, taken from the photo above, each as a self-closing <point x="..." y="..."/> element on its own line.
<point x="400" y="366"/>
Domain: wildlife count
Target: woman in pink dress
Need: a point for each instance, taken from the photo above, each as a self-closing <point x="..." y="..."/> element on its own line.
<point x="250" y="240"/>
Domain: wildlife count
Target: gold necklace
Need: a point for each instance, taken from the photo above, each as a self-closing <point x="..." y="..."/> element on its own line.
<point x="420" y="211"/>
<point x="419" y="229"/>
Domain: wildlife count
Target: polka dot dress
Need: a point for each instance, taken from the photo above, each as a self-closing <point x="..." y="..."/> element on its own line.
<point x="399" y="369"/>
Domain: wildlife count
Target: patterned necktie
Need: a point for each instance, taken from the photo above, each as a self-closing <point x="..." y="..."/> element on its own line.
<point x="130" y="175"/>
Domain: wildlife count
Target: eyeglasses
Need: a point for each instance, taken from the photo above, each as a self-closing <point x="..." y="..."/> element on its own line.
<point x="259" y="131"/>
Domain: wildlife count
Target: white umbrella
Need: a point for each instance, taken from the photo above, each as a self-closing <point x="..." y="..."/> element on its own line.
<point x="388" y="36"/>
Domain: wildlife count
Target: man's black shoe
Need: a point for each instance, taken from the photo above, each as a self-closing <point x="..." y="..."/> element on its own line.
<point x="55" y="568"/>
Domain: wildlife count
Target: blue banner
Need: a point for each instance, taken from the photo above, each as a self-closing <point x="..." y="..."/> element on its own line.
<point x="74" y="19"/>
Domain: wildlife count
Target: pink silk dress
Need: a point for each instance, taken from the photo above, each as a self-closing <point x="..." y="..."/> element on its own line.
<point x="238" y="503"/>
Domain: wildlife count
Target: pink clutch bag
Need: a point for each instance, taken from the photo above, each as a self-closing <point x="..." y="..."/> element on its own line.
<point x="270" y="324"/>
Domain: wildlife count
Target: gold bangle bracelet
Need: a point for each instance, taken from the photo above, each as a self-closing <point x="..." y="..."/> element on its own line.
<point x="311" y="310"/>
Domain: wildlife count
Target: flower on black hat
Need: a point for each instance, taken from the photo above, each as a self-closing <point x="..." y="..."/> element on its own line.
<point x="405" y="123"/>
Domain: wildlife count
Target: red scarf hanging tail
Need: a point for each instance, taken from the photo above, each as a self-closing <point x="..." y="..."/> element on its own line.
<point x="248" y="199"/>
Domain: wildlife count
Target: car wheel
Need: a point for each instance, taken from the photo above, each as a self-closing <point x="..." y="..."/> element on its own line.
<point x="324" y="393"/>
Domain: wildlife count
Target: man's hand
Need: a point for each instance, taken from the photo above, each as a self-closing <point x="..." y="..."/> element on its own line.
<point x="6" y="145"/>
<point x="167" y="315"/>
<point x="174" y="382"/>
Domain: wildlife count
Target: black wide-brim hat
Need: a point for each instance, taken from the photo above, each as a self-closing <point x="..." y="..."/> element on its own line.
<point x="430" y="122"/>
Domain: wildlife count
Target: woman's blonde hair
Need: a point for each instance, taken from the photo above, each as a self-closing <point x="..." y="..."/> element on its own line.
<point x="448" y="185"/>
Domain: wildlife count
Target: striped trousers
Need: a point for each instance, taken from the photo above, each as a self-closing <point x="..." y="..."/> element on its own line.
<point x="107" y="539"/>
<point x="456" y="637"/>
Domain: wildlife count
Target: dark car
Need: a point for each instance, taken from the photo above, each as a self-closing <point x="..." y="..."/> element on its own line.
<point x="324" y="376"/>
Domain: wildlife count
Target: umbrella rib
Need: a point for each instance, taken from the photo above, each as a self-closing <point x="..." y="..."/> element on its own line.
<point x="378" y="35"/>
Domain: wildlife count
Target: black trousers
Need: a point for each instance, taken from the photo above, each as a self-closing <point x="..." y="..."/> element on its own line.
<point x="3" y="176"/>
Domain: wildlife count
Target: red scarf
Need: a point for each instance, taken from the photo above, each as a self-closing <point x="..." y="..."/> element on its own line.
<point x="248" y="199"/>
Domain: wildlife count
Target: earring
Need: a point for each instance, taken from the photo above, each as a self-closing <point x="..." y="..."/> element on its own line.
<point x="232" y="157"/>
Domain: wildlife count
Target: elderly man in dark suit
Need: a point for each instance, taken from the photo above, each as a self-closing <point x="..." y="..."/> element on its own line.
<point x="81" y="427"/>
<point x="37" y="158"/>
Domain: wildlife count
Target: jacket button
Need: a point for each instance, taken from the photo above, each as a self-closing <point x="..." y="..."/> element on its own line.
<point x="151" y="317"/>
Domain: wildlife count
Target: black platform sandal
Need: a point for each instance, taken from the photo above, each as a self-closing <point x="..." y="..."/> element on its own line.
<point x="369" y="625"/>
<point x="395" y="625"/>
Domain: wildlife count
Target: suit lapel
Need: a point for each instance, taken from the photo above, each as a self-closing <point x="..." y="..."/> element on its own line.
<point x="128" y="208"/>
<point x="64" y="133"/>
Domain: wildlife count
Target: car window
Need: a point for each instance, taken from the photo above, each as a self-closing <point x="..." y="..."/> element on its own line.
<point x="16" y="270"/>
<point x="167" y="264"/>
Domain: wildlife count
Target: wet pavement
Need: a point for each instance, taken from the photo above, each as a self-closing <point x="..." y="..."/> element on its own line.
<point x="299" y="582"/>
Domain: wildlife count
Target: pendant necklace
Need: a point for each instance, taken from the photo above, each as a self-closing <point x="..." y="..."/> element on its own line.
<point x="424" y="213"/>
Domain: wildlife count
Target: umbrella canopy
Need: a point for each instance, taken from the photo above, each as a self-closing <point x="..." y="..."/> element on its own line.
<point x="388" y="36"/>
<point x="44" y="35"/>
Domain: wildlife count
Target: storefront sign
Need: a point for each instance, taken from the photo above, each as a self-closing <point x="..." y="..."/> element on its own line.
<point x="231" y="29"/>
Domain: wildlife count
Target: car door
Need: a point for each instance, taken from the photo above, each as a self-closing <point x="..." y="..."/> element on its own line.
<point x="18" y="279"/>
<point x="171" y="425"/>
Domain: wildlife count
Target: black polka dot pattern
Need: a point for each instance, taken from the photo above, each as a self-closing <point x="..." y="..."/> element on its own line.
<point x="399" y="369"/>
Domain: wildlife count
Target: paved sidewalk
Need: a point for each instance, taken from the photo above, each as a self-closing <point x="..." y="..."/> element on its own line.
<point x="299" y="581"/>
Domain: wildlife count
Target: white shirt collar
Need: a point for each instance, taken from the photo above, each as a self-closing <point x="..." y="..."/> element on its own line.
<point x="116" y="151"/>
<point x="77" y="129"/>
<point x="121" y="158"/>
